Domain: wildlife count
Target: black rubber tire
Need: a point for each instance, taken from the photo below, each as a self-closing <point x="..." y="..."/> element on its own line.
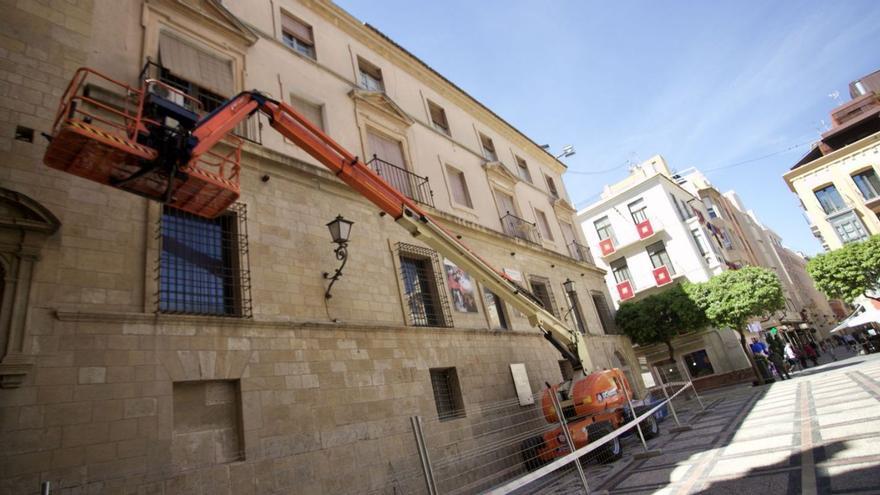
<point x="529" y="449"/>
<point x="650" y="428"/>
<point x="609" y="452"/>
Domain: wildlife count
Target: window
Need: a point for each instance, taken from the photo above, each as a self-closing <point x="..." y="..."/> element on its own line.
<point x="426" y="304"/>
<point x="567" y="233"/>
<point x="522" y="168"/>
<point x="195" y="70"/>
<point x="638" y="211"/>
<point x="659" y="256"/>
<point x="681" y="214"/>
<point x="543" y="224"/>
<point x="620" y="270"/>
<point x="488" y="148"/>
<point x="603" y="229"/>
<point x="698" y="364"/>
<point x="458" y="186"/>
<point x="830" y="199"/>
<point x="297" y="35"/>
<point x="390" y="153"/>
<point x="312" y="111"/>
<point x="711" y="210"/>
<point x="566" y="369"/>
<point x="867" y="183"/>
<point x="700" y="240"/>
<point x="371" y="76"/>
<point x="495" y="310"/>
<point x="849" y="227"/>
<point x="605" y="316"/>
<point x="203" y="264"/>
<point x="551" y="186"/>
<point x="541" y="290"/>
<point x="207" y="423"/>
<point x="438" y="117"/>
<point x="447" y="393"/>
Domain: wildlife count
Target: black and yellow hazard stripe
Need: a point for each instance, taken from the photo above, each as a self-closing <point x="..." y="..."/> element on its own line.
<point x="141" y="150"/>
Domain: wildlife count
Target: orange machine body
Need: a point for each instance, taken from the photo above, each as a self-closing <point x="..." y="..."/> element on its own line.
<point x="595" y="398"/>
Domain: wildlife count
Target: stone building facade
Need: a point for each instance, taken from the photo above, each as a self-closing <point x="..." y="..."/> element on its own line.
<point x="121" y="374"/>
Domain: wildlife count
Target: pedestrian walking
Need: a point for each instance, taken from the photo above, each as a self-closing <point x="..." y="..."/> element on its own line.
<point x="778" y="361"/>
<point x="790" y="355"/>
<point x="810" y="354"/>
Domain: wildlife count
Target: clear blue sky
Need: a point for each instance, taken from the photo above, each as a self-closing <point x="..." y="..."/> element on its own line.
<point x="705" y="84"/>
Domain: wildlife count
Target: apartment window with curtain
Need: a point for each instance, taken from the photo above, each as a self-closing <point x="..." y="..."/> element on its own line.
<point x="868" y="183"/>
<point x="370" y="76"/>
<point x="544" y="225"/>
<point x="620" y="270"/>
<point x="312" y="111"/>
<point x="438" y="117"/>
<point x="700" y="240"/>
<point x="659" y="256"/>
<point x="603" y="229"/>
<point x="522" y="168"/>
<point x="551" y="186"/>
<point x="488" y="148"/>
<point x="298" y="35"/>
<point x="830" y="199"/>
<point x="458" y="186"/>
<point x="638" y="210"/>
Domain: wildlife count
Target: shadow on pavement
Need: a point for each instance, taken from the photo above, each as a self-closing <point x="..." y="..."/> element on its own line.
<point x="839" y="476"/>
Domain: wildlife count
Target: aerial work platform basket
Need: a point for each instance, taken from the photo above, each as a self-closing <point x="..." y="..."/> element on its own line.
<point x="136" y="139"/>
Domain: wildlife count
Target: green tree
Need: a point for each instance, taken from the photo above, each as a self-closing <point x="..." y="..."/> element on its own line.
<point x="659" y="318"/>
<point x="732" y="298"/>
<point x="848" y="272"/>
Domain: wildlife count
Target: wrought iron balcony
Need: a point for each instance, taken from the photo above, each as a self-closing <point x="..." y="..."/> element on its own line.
<point x="515" y="226"/>
<point x="580" y="252"/>
<point x="413" y="186"/>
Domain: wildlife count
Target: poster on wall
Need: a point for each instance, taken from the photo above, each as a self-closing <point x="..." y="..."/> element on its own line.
<point x="461" y="287"/>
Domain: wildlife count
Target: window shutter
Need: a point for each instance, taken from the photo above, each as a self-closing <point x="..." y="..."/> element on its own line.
<point x="309" y="110"/>
<point x="297" y="28"/>
<point x="195" y="65"/>
<point x="459" y="188"/>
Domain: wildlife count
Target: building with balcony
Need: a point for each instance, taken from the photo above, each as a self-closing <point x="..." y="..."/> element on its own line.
<point x="147" y="350"/>
<point x="836" y="181"/>
<point x="649" y="232"/>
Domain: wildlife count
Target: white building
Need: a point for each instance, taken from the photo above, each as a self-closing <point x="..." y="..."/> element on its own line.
<point x="648" y="231"/>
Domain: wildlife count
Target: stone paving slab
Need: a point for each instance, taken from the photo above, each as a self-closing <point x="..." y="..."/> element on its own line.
<point x="739" y="465"/>
<point x="759" y="444"/>
<point x="858" y="428"/>
<point x="843" y="479"/>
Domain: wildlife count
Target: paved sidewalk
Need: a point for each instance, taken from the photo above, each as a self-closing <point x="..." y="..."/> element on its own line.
<point x="818" y="433"/>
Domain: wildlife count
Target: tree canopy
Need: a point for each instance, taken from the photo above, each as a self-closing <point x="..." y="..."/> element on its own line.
<point x="660" y="317"/>
<point x="730" y="299"/>
<point x="850" y="271"/>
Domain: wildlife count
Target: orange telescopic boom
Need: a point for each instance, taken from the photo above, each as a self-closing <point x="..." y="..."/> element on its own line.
<point x="153" y="143"/>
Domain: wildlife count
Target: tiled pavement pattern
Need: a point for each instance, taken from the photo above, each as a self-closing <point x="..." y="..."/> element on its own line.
<point x="818" y="433"/>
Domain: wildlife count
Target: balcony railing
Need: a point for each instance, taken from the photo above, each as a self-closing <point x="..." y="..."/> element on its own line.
<point x="250" y="129"/>
<point x="515" y="226"/>
<point x="580" y="252"/>
<point x="414" y="187"/>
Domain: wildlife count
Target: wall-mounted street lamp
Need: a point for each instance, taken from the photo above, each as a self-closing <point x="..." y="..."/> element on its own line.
<point x="568" y="287"/>
<point x="340" y="229"/>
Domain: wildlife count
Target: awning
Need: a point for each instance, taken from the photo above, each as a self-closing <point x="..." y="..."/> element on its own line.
<point x="859" y="317"/>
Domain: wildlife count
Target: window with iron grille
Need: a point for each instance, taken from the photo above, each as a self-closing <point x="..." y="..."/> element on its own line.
<point x="203" y="263"/>
<point x="495" y="311"/>
<point x="425" y="303"/>
<point x="541" y="290"/>
<point x="447" y="393"/>
<point x="605" y="316"/>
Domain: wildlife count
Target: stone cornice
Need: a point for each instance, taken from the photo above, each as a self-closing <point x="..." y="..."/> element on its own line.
<point x="380" y="102"/>
<point x="500" y="175"/>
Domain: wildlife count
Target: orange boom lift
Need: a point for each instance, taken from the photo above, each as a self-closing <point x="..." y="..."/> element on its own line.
<point x="153" y="141"/>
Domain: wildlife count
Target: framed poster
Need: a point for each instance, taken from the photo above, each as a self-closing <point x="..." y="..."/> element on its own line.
<point x="461" y="288"/>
